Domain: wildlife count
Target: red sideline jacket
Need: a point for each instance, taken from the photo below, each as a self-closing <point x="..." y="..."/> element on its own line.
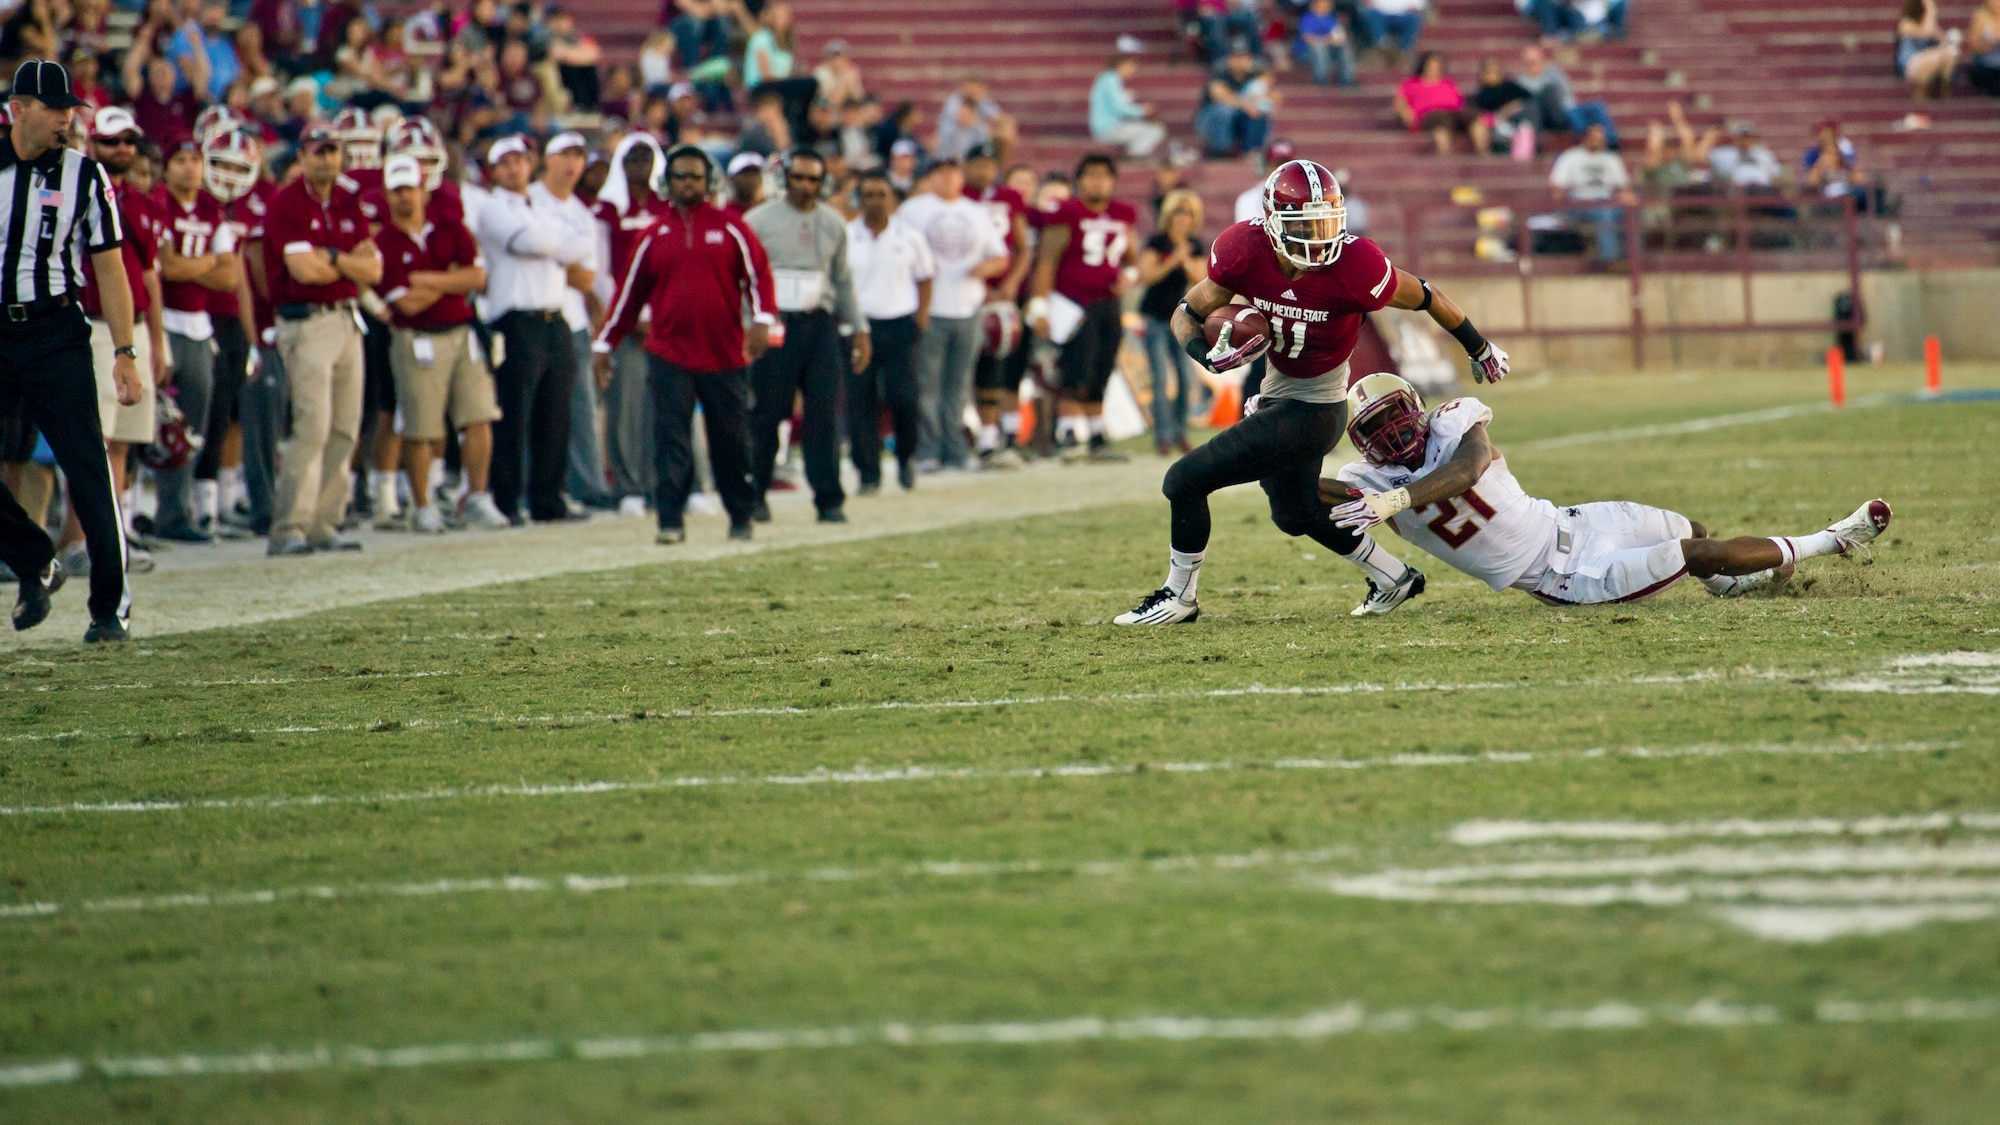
<point x="694" y="273"/>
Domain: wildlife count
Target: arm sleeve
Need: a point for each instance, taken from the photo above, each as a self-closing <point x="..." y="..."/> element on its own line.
<point x="758" y="283"/>
<point x="926" y="265"/>
<point x="519" y="230"/>
<point x="843" y="285"/>
<point x="102" y="228"/>
<point x="395" y="279"/>
<point x="1228" y="258"/>
<point x="1370" y="275"/>
<point x="604" y="286"/>
<point x="634" y="289"/>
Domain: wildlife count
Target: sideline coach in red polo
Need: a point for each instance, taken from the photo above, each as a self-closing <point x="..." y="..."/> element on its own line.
<point x="56" y="206"/>
<point x="316" y="250"/>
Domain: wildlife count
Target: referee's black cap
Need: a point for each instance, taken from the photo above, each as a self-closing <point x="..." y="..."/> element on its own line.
<point x="46" y="82"/>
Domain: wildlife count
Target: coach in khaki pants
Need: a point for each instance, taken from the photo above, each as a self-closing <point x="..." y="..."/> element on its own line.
<point x="316" y="251"/>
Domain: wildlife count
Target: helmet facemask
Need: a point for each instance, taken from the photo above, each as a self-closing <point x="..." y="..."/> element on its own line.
<point x="1310" y="235"/>
<point x="1391" y="429"/>
<point x="228" y="176"/>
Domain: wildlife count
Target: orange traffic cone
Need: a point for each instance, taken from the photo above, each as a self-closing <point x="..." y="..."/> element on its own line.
<point x="1228" y="407"/>
<point x="1027" y="418"/>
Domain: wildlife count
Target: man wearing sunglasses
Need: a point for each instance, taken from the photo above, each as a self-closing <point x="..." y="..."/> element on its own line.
<point x="317" y="252"/>
<point x="807" y="242"/>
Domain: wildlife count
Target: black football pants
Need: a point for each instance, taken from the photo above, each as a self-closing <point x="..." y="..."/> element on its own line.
<point x="725" y="417"/>
<point x="45" y="367"/>
<point x="1280" y="447"/>
<point x="809" y="366"/>
<point x="533" y="386"/>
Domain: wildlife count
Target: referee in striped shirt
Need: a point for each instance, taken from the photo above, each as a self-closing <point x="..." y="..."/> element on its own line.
<point x="56" y="205"/>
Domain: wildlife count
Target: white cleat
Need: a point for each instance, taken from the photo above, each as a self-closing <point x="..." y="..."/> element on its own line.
<point x="1735" y="586"/>
<point x="1861" y="528"/>
<point x="427" y="520"/>
<point x="478" y="510"/>
<point x="1161" y="607"/>
<point x="1381" y="600"/>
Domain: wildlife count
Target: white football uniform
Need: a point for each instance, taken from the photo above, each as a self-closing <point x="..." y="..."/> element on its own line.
<point x="1584" y="555"/>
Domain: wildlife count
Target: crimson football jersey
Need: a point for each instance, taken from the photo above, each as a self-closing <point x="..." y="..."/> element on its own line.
<point x="1088" y="270"/>
<point x="1315" y="317"/>
<point x="367" y="183"/>
<point x="191" y="229"/>
<point x="1001" y="203"/>
<point x="247" y="215"/>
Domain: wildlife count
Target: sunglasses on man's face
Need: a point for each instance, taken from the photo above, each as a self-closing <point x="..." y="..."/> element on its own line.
<point x="687" y="175"/>
<point x="117" y="142"/>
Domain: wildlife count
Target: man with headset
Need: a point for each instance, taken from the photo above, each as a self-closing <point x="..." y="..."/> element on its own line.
<point x="695" y="273"/>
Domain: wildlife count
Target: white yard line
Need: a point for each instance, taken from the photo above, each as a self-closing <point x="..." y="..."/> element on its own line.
<point x="1477" y="833"/>
<point x="865" y="775"/>
<point x="1699" y="425"/>
<point x="1335" y="1020"/>
<point x="697" y="880"/>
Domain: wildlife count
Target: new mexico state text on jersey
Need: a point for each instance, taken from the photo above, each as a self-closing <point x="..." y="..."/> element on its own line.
<point x="1315" y="317"/>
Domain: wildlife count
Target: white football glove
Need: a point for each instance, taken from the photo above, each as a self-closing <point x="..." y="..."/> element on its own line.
<point x="1490" y="365"/>
<point x="1251" y="404"/>
<point x="1370" y="510"/>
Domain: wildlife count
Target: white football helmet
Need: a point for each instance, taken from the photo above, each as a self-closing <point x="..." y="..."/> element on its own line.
<point x="418" y="137"/>
<point x="231" y="161"/>
<point x="216" y="119"/>
<point x="360" y="140"/>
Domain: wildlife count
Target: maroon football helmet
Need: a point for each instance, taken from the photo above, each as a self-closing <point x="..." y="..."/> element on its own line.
<point x="173" y="445"/>
<point x="999" y="329"/>
<point x="1305" y="214"/>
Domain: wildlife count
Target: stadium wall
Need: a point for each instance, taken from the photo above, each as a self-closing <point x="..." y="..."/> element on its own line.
<point x="1902" y="308"/>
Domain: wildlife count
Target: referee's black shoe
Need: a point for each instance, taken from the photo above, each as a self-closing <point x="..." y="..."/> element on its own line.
<point x="109" y="629"/>
<point x="33" y="606"/>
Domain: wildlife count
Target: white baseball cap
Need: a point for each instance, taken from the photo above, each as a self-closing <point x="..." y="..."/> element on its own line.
<point x="114" y="121"/>
<point x="744" y="160"/>
<point x="402" y="171"/>
<point x="506" y="146"/>
<point x="563" y="142"/>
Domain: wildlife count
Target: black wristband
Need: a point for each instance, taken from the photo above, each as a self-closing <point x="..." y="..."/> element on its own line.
<point x="1425" y="307"/>
<point x="1469" y="338"/>
<point x="1196" y="347"/>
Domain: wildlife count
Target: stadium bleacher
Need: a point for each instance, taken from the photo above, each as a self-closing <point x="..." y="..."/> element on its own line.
<point x="1784" y="63"/>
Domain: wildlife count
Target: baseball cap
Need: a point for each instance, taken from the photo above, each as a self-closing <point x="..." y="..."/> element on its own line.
<point x="904" y="147"/>
<point x="744" y="160"/>
<point x="563" y="142"/>
<point x="46" y="82"/>
<point x="507" y="146"/>
<point x="319" y="132"/>
<point x="680" y="90"/>
<point x="302" y="85"/>
<point x="114" y="121"/>
<point x="263" y="85"/>
<point x="1129" y="44"/>
<point x="1277" y="152"/>
<point x="402" y="171"/>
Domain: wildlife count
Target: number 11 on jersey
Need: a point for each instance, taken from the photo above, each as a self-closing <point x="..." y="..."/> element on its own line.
<point x="1298" y="337"/>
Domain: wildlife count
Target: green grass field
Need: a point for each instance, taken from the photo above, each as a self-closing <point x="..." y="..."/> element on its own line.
<point x="955" y="847"/>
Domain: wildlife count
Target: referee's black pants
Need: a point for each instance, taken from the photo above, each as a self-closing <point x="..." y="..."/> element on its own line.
<point x="809" y="365"/>
<point x="533" y="386"/>
<point x="1280" y="447"/>
<point x="45" y="366"/>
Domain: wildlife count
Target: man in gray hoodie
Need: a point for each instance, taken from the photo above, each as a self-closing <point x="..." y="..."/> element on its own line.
<point x="807" y="243"/>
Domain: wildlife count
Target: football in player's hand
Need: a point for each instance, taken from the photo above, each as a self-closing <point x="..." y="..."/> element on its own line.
<point x="1237" y="333"/>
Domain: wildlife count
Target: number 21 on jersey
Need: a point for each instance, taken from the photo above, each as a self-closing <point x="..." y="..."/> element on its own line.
<point x="1289" y="344"/>
<point x="1456" y="537"/>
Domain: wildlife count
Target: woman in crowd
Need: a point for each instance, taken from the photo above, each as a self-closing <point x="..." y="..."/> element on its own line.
<point x="1982" y="45"/>
<point x="1925" y="54"/>
<point x="1172" y="261"/>
<point x="1429" y="102"/>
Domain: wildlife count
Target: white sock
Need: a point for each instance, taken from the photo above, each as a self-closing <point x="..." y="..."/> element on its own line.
<point x="229" y="485"/>
<point x="206" y="495"/>
<point x="1096" y="423"/>
<point x="1381" y="567"/>
<point x="989" y="438"/>
<point x="1067" y="426"/>
<point x="1010" y="424"/>
<point x="1796" y="547"/>
<point x="1183" y="572"/>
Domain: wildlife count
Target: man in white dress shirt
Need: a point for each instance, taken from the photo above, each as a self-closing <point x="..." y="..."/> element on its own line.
<point x="529" y="250"/>
<point x="968" y="252"/>
<point x="562" y="166"/>
<point x="892" y="267"/>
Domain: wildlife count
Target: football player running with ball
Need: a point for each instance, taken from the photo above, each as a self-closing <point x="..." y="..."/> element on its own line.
<point x="1436" y="480"/>
<point x="1315" y="283"/>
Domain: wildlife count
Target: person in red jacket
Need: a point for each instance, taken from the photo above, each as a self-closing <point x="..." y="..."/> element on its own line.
<point x="694" y="275"/>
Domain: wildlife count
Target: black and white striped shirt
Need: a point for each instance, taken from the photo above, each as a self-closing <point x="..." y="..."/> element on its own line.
<point x="54" y="209"/>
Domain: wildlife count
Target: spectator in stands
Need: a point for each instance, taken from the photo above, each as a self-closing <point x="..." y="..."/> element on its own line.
<point x="1250" y="204"/>
<point x="1116" y="117"/>
<point x="1429" y="102"/>
<point x="1982" y="44"/>
<point x="1393" y="27"/>
<point x="204" y="36"/>
<point x="746" y="183"/>
<point x="1503" y="105"/>
<point x="1676" y="158"/>
<point x="768" y="129"/>
<point x="904" y="164"/>
<point x="1832" y="166"/>
<point x="857" y="132"/>
<point x="1171" y="263"/>
<point x="83" y="75"/>
<point x="656" y="62"/>
<point x="1555" y="108"/>
<point x="901" y="125"/>
<point x="839" y="79"/>
<point x="971" y="119"/>
<point x="1324" y="44"/>
<point x="1592" y="174"/>
<point x="1742" y="161"/>
<point x="165" y="115"/>
<point x="575" y="56"/>
<point x="1236" y="106"/>
<point x="29" y="33"/>
<point x="1925" y="53"/>
<point x="700" y="29"/>
<point x="769" y="61"/>
<point x="820" y="133"/>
